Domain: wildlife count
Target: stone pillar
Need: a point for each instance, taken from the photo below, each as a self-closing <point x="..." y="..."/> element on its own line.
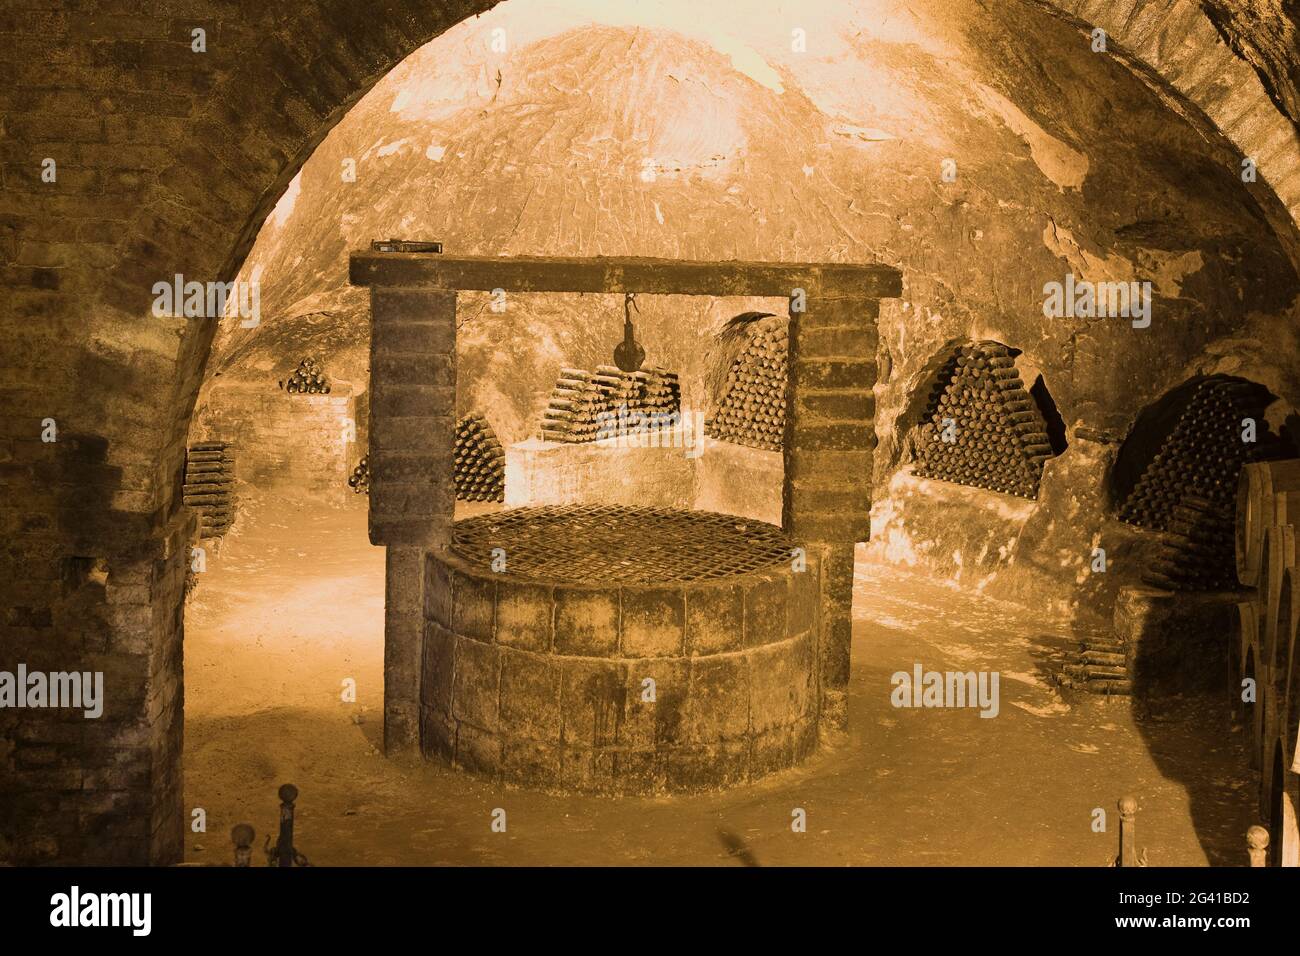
<point x="412" y="494"/>
<point x="829" y="441"/>
<point x="412" y="416"/>
<point x="403" y="647"/>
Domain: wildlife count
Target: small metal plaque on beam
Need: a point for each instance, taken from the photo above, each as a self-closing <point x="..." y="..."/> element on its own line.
<point x="404" y="245"/>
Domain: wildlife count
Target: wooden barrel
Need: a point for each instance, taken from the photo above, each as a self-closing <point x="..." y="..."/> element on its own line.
<point x="1247" y="638"/>
<point x="1247" y="655"/>
<point x="1286" y="669"/>
<point x="1272" y="752"/>
<point x="1291" y="717"/>
<point x="1254" y="710"/>
<point x="1261" y="503"/>
<point x="1284" y="630"/>
<point x="1277" y="555"/>
<point x="1284" y="848"/>
<point x="1272" y="786"/>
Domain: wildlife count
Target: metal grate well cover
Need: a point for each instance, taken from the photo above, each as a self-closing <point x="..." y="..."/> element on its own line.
<point x="618" y="545"/>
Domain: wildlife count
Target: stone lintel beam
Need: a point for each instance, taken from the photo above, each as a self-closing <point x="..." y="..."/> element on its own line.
<point x="622" y="274"/>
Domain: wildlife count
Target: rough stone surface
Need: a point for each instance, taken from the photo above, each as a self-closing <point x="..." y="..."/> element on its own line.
<point x="719" y="476"/>
<point x="741" y="481"/>
<point x="412" y="417"/>
<point x="1176" y="643"/>
<point x="288" y="444"/>
<point x="734" y="683"/>
<point x="552" y="473"/>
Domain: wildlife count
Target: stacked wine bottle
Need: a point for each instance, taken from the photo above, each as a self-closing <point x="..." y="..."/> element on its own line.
<point x="587" y="406"/>
<point x="752" y="408"/>
<point x="307" y="379"/>
<point x="1196" y="553"/>
<point x="982" y="427"/>
<point x="1188" y="489"/>
<point x="479" y="468"/>
<point x="209" y="486"/>
<point x="359" y="480"/>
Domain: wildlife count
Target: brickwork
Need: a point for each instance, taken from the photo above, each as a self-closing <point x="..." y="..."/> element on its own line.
<point x="412" y="416"/>
<point x="168" y="161"/>
<point x="740" y="481"/>
<point x="403" y="647"/>
<point x="1176" y="43"/>
<point x="288" y="444"/>
<point x="412" y="426"/>
<point x="108" y="789"/>
<point x="545" y="473"/>
<point x="829" y="441"/>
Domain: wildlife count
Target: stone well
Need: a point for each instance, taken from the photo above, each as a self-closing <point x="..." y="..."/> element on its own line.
<point x="619" y="650"/>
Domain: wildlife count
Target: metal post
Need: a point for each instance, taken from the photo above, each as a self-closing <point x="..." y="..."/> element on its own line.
<point x="1128" y="852"/>
<point x="288" y="794"/>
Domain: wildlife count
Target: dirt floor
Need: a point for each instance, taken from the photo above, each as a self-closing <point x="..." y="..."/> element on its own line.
<point x="292" y="605"/>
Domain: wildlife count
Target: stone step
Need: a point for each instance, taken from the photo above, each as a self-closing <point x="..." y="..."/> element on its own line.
<point x="1090" y="672"/>
<point x="1114" y="688"/>
<point x="1091" y="656"/>
<point x="1105" y="647"/>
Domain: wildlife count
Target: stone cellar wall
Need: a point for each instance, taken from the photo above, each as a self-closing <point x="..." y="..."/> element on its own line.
<point x="739" y="480"/>
<point x="106" y="790"/>
<point x="1039" y="552"/>
<point x="546" y="473"/>
<point x="725" y="477"/>
<point x="1215" y="267"/>
<point x="976" y="253"/>
<point x="285" y="444"/>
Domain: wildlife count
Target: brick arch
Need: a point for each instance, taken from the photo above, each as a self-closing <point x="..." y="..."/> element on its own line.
<point x="166" y="169"/>
<point x="262" y="120"/>
<point x="1176" y="47"/>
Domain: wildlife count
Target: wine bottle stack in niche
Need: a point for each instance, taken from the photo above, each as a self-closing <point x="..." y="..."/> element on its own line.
<point x="982" y="427"/>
